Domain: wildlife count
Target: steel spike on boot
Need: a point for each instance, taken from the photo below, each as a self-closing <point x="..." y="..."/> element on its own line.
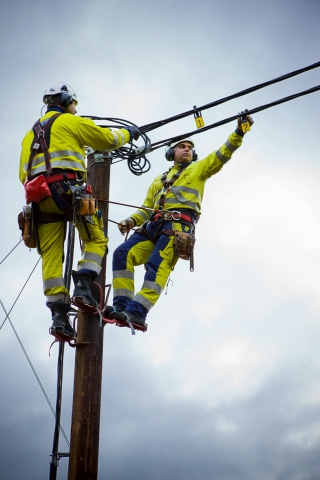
<point x="60" y="320"/>
<point x="82" y="295"/>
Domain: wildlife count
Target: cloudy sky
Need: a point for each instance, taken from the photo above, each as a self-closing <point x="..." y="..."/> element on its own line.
<point x="225" y="383"/>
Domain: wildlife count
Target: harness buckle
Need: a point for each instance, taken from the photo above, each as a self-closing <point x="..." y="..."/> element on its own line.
<point x="174" y="215"/>
<point x="41" y="135"/>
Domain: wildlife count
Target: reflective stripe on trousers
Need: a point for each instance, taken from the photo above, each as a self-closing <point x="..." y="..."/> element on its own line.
<point x="159" y="260"/>
<point x="51" y="238"/>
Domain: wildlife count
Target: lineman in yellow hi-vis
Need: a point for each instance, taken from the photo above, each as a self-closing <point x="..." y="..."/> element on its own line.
<point x="173" y="203"/>
<point x="54" y="151"/>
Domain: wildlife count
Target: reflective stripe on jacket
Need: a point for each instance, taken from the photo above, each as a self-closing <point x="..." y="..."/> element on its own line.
<point x="187" y="191"/>
<point x="69" y="136"/>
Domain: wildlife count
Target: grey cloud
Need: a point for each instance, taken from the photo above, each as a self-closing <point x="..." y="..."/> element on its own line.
<point x="186" y="53"/>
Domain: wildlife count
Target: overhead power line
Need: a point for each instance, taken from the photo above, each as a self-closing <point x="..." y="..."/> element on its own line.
<point x="136" y="156"/>
<point x="160" y="123"/>
<point x="167" y="141"/>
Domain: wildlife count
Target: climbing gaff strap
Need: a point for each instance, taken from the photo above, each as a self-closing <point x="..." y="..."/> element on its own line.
<point x="37" y="189"/>
<point x="128" y="322"/>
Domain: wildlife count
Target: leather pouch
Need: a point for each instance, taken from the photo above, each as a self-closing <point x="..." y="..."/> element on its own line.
<point x="25" y="222"/>
<point x="86" y="205"/>
<point x="183" y="244"/>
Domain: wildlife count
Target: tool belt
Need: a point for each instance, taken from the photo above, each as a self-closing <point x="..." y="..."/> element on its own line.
<point x="85" y="201"/>
<point x="171" y="215"/>
<point x="183" y="241"/>
<point x="37" y="189"/>
<point x="25" y="222"/>
<point x="81" y="202"/>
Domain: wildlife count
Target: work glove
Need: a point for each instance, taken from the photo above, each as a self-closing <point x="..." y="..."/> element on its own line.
<point x="126" y="225"/>
<point x="240" y="120"/>
<point x="134" y="132"/>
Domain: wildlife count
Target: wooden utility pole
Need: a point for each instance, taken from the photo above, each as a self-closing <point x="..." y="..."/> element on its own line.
<point x="85" y="424"/>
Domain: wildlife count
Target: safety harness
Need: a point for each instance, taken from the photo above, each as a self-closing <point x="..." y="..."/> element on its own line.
<point x="80" y="203"/>
<point x="41" y="143"/>
<point x="171" y="215"/>
<point x="168" y="182"/>
<point x="37" y="187"/>
<point x="183" y="241"/>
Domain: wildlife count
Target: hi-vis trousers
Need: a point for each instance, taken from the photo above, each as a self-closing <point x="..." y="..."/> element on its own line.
<point x="50" y="245"/>
<point x="159" y="259"/>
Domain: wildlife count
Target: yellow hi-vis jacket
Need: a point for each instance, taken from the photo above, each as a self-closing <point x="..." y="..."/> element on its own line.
<point x="68" y="138"/>
<point x="187" y="191"/>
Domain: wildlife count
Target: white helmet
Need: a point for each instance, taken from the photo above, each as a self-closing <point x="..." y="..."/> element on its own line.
<point x="189" y="140"/>
<point x="67" y="94"/>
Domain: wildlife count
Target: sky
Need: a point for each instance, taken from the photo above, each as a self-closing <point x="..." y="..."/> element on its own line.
<point x="225" y="383"/>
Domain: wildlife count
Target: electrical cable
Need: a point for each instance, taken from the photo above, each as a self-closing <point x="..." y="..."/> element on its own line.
<point x="160" y="123"/>
<point x="167" y="141"/>
<point x="134" y="155"/>
<point x="34" y="372"/>
<point x="11" y="251"/>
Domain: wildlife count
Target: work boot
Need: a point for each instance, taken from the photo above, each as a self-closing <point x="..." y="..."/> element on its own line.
<point x="110" y="309"/>
<point x="82" y="289"/>
<point x="125" y="316"/>
<point x="60" y="318"/>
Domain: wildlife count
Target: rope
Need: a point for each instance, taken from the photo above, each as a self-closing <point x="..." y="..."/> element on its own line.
<point x="160" y="123"/>
<point x="20" y="292"/>
<point x="33" y="370"/>
<point x="11" y="251"/>
<point x="125" y="204"/>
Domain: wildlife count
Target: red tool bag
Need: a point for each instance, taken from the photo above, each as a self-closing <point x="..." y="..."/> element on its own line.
<point x="36" y="189"/>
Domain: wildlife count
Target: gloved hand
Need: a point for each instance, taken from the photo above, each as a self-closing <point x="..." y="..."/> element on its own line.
<point x="134" y="132"/>
<point x="126" y="225"/>
<point x="251" y="122"/>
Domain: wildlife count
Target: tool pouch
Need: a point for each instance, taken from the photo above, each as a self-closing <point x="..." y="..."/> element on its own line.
<point x="25" y="221"/>
<point x="183" y="244"/>
<point x="36" y="189"/>
<point x="86" y="204"/>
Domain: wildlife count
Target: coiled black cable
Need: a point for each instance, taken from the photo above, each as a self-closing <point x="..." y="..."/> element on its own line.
<point x="134" y="155"/>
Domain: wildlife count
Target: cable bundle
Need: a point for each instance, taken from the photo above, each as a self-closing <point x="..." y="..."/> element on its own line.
<point x="134" y="155"/>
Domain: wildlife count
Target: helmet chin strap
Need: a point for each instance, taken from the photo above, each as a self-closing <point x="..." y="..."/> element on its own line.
<point x="184" y="164"/>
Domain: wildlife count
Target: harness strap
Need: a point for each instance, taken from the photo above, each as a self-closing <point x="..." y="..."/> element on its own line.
<point x="57" y="186"/>
<point x="173" y="215"/>
<point x="167" y="183"/>
<point x="61" y="176"/>
<point x="40" y="144"/>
